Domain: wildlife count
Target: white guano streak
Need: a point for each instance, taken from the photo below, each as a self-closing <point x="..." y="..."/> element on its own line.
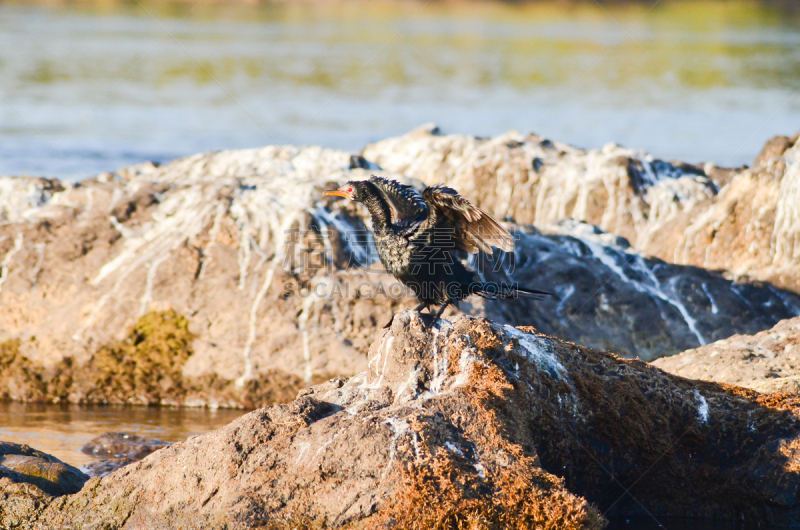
<point x="251" y="335"/>
<point x="7" y="259"/>
<point x="653" y="289"/>
<point x="302" y="320"/>
<point x="702" y="406"/>
<point x="147" y="297"/>
<point x="539" y="352"/>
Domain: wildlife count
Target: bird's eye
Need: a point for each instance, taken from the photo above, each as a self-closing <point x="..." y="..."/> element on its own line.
<point x="349" y="190"/>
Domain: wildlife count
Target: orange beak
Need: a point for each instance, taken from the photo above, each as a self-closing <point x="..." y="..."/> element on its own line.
<point x="335" y="193"/>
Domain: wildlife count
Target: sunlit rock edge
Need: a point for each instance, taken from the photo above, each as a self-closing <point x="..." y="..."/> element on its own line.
<point x="767" y="361"/>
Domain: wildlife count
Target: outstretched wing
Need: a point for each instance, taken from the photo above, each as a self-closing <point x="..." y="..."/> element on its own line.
<point x="472" y="229"/>
<point x="406" y="203"/>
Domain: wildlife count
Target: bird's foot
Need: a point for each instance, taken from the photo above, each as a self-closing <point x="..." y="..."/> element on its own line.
<point x="439" y="313"/>
<point x="428" y="320"/>
<point x="389" y="324"/>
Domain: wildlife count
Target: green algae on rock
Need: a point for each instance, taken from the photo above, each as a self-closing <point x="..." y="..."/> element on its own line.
<point x="144" y="368"/>
<point x="21" y="379"/>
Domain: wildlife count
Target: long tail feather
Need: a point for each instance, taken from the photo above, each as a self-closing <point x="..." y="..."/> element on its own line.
<point x="493" y="291"/>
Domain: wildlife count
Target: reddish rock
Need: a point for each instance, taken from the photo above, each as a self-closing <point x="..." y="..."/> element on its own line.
<point x="470" y="423"/>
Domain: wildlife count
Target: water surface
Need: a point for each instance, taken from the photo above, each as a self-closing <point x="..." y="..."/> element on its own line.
<point x="92" y="88"/>
<point x="60" y="430"/>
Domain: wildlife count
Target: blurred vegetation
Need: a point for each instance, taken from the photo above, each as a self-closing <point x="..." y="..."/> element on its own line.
<point x="685" y="79"/>
<point x="286" y="11"/>
<point x="687" y="42"/>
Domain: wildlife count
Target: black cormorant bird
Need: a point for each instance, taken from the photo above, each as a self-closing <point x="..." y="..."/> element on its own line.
<point x="417" y="236"/>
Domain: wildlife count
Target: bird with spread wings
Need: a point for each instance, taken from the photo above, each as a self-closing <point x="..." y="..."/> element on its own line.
<point x="418" y="236"/>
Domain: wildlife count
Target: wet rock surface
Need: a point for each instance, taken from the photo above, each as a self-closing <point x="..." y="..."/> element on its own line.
<point x="122" y="445"/>
<point x="279" y="289"/>
<point x="21" y="464"/>
<point x="767" y="362"/>
<point x="471" y="422"/>
<point x="118" y="449"/>
<point x="102" y="467"/>
<point x="612" y="297"/>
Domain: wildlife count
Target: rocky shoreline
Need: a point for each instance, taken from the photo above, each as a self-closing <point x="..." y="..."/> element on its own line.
<point x="224" y="279"/>
<point x="503" y="427"/>
<point x="228" y="280"/>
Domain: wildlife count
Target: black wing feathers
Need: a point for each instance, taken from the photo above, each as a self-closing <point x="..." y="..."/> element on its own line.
<point x="405" y="201"/>
<point x="472" y="228"/>
<point x="441" y="213"/>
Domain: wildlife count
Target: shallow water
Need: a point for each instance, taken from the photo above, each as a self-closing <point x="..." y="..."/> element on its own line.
<point x="93" y="87"/>
<point x="60" y="430"/>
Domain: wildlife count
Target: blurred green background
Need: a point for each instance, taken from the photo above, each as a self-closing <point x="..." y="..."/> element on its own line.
<point x="89" y="87"/>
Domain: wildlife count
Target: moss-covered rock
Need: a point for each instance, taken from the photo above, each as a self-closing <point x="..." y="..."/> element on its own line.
<point x="20" y="378"/>
<point x="21" y="464"/>
<point x="146" y="367"/>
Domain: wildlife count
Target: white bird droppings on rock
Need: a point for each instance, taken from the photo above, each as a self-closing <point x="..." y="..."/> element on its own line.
<point x="702" y="406"/>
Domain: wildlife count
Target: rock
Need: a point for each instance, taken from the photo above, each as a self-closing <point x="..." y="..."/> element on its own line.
<point x="122" y="445"/>
<point x="21" y="464"/>
<point x="477" y="424"/>
<point x="119" y="450"/>
<point x="767" y="362"/>
<point x="101" y="468"/>
<point x="19" y="504"/>
<point x="774" y="148"/>
<point x="225" y="279"/>
<point x="745" y="221"/>
<point x="211" y="237"/>
<point x="612" y="297"/>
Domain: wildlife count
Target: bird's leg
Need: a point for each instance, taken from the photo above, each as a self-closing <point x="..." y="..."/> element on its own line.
<point x="438" y="314"/>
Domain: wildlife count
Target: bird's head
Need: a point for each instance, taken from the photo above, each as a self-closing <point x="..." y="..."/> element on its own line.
<point x="354" y="190"/>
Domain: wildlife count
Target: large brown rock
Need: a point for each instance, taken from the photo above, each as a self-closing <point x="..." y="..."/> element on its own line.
<point x="767" y="362"/>
<point x="470" y="423"/>
<point x="223" y="240"/>
<point x="254" y="271"/>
